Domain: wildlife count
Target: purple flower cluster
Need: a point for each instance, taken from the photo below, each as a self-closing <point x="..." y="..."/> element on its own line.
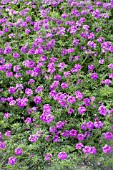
<point x="46" y="116"/>
<point x="51" y="57"/>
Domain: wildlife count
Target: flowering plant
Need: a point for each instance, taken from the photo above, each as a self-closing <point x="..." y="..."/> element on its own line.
<point x="56" y="78"/>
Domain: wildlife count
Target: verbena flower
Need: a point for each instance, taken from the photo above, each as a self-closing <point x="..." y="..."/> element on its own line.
<point x="18" y="151"/>
<point x="2" y="145"/>
<point x="107" y="149"/>
<point x="62" y="155"/>
<point x="102" y="110"/>
<point x="108" y="135"/>
<point x="12" y="160"/>
<point x="79" y="146"/>
<point x="73" y="133"/>
<point x="82" y="110"/>
<point x="6" y="115"/>
<point x="47" y="156"/>
<point x="33" y="138"/>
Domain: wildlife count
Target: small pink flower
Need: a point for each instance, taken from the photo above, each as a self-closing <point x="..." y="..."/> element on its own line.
<point x="47" y="156"/>
<point x="18" y="151"/>
<point x="8" y="133"/>
<point x="62" y="155"/>
<point x="12" y="160"/>
<point x="2" y="145"/>
<point x="6" y="115"/>
<point x="28" y="120"/>
<point x="107" y="148"/>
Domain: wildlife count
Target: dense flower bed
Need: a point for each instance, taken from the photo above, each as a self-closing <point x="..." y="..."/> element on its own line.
<point x="56" y="63"/>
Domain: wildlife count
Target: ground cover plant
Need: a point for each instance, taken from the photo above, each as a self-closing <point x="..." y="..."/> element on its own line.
<point x="56" y="84"/>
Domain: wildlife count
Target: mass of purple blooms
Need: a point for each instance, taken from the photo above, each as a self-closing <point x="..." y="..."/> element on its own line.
<point x="56" y="81"/>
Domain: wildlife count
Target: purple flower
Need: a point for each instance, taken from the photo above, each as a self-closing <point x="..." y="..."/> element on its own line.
<point x="31" y="81"/>
<point x="39" y="133"/>
<point x="9" y="99"/>
<point x="91" y="44"/>
<point x="8" y="66"/>
<point x="108" y="135"/>
<point x="98" y="124"/>
<point x="2" y="145"/>
<point x="22" y="102"/>
<point x="56" y="138"/>
<point x="17" y="75"/>
<point x="101" y="61"/>
<point x="12" y="102"/>
<point x="60" y="124"/>
<point x="92" y="150"/>
<point x="111" y="49"/>
<point x="47" y="118"/>
<point x="28" y="120"/>
<point x="102" y="110"/>
<point x="62" y="155"/>
<point x="19" y="86"/>
<point x="64" y="15"/>
<point x="92" y="98"/>
<point x="33" y="138"/>
<point x="82" y="110"/>
<point x="110" y="66"/>
<point x="79" y="95"/>
<point x="66" y="74"/>
<point x="86" y="27"/>
<point x="47" y="156"/>
<point x="77" y="67"/>
<point x="83" y="126"/>
<point x="75" y="42"/>
<point x="64" y="85"/>
<point x="28" y="91"/>
<point x="62" y="66"/>
<point x="47" y="138"/>
<point x="12" y="90"/>
<point x="86" y="149"/>
<point x="80" y="137"/>
<point x="106" y="82"/>
<point x="91" y="35"/>
<point x="12" y="160"/>
<point x="71" y="99"/>
<point x="70" y="50"/>
<point x="90" y="125"/>
<point x="79" y="146"/>
<point x="18" y="151"/>
<point x="70" y="110"/>
<point x="87" y="134"/>
<point x="47" y="108"/>
<point x="6" y="115"/>
<point x="57" y="77"/>
<point x="8" y="133"/>
<point x="73" y="133"/>
<point x="16" y="68"/>
<point x="87" y="102"/>
<point x="9" y="74"/>
<point x="94" y="76"/>
<point x="24" y="49"/>
<point x="29" y="64"/>
<point x="0" y="135"/>
<point x="37" y="99"/>
<point x="7" y="50"/>
<point x="65" y="133"/>
<point x="27" y="31"/>
<point x="107" y="148"/>
<point x="53" y="129"/>
<point x="54" y="85"/>
<point x="28" y="18"/>
<point x="111" y="75"/>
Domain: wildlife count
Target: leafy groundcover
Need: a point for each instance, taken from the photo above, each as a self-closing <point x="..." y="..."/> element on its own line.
<point x="56" y="84"/>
